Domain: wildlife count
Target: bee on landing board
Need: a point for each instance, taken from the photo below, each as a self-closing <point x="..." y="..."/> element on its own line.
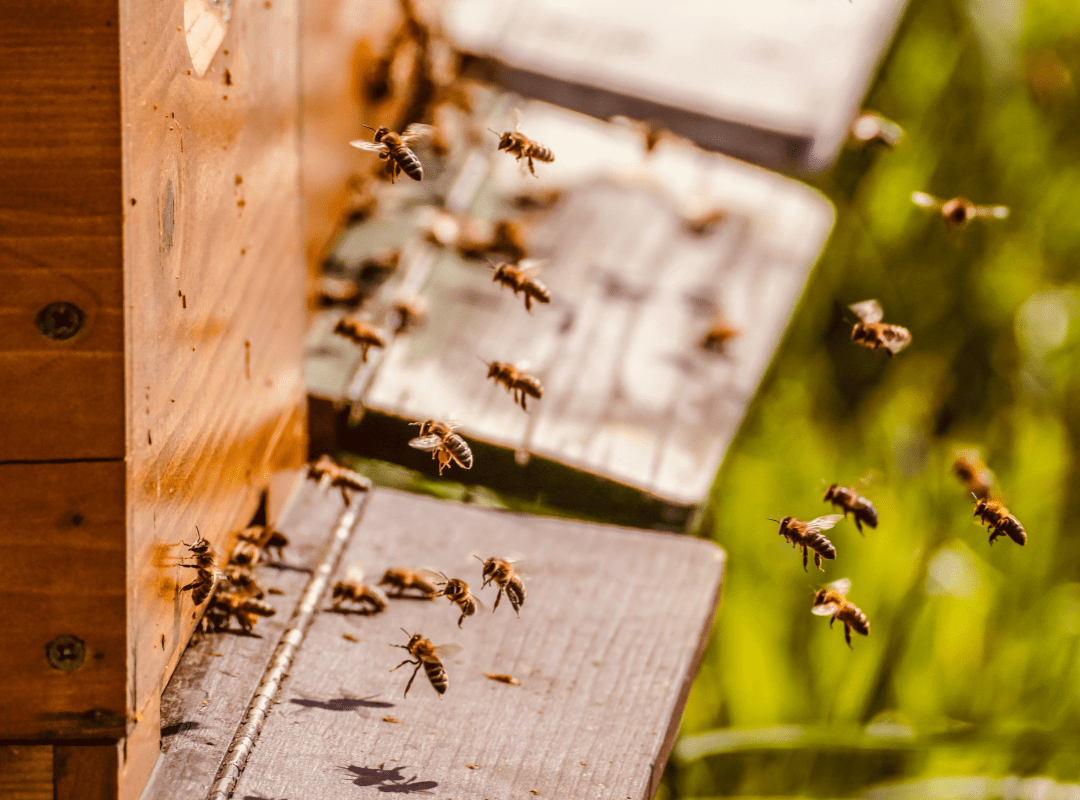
<point x="401" y="580"/>
<point x="807" y="535"/>
<point x="207" y="574"/>
<point x="871" y="332"/>
<point x="520" y="383"/>
<point x="242" y="581"/>
<point x="958" y="211"/>
<point x="440" y="440"/>
<point x="352" y="589"/>
<point x="394" y="147"/>
<point x="871" y="128"/>
<point x="506" y="577"/>
<point x="831" y="602"/>
<point x="227" y="606"/>
<point x="516" y="277"/>
<point x="975" y="476"/>
<point x="457" y="591"/>
<point x="411" y="313"/>
<point x="1000" y="522"/>
<point x="338" y="476"/>
<point x="849" y="500"/>
<point x="427" y="656"/>
<point x="518" y="144"/>
<point x="363" y="334"/>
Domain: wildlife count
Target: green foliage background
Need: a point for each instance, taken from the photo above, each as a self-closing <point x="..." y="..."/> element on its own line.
<point x="971" y="668"/>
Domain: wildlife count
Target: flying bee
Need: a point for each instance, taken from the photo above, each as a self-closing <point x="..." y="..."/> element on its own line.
<point x="411" y="313"/>
<point x="334" y="291"/>
<point x="538" y="200"/>
<point x="402" y="580"/>
<point x="1000" y="522"/>
<point x="245" y="610"/>
<point x="958" y="211"/>
<point x="871" y="332"/>
<point x="439" y="438"/>
<point x="518" y="144"/>
<point x="427" y="656"/>
<point x="363" y="334"/>
<point x="717" y="337"/>
<point x="871" y="128"/>
<point x="361" y="202"/>
<point x="394" y="147"/>
<point x="517" y="278"/>
<point x="830" y="602"/>
<point x="975" y="476"/>
<point x="808" y="535"/>
<point x="704" y="222"/>
<point x="518" y="382"/>
<point x="849" y="500"/>
<point x="352" y="589"/>
<point x="338" y="476"/>
<point x="275" y="540"/>
<point x="244" y="582"/>
<point x="478" y="239"/>
<point x="650" y="130"/>
<point x="207" y="574"/>
<point x="457" y="591"/>
<point x="506" y="577"/>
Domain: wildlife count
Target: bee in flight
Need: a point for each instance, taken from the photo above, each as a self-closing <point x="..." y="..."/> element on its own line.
<point x="395" y="148"/>
<point x="402" y="579"/>
<point x="207" y="573"/>
<point x="831" y="602"/>
<point x="871" y="128"/>
<point x="871" y="332"/>
<point x="958" y="211"/>
<point x="352" y="589"/>
<point x="338" y="476"/>
<point x="517" y="277"/>
<point x="807" y="535"/>
<point x="363" y="334"/>
<point x="518" y="144"/>
<point x="718" y="336"/>
<point x="850" y="500"/>
<point x="1000" y="522"/>
<point x="411" y="313"/>
<point x="520" y="383"/>
<point x="428" y="656"/>
<point x="439" y="438"/>
<point x="506" y="577"/>
<point x="975" y="476"/>
<point x="457" y="591"/>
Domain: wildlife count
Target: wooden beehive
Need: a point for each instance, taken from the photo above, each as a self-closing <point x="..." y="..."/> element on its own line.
<point x="151" y="242"/>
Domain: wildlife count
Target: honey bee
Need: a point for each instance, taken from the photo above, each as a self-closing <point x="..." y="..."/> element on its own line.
<point x="246" y="610"/>
<point x="871" y="332"/>
<point x="363" y="334"/>
<point x="439" y="438"/>
<point x="1000" y="522"/>
<point x="849" y="500"/>
<point x="958" y="211"/>
<point x="207" y="574"/>
<point x="830" y="602"/>
<point x="539" y="200"/>
<point x="339" y="476"/>
<point x="517" y="278"/>
<point x="411" y="313"/>
<point x="352" y="589"/>
<point x="361" y="203"/>
<point x="651" y="131"/>
<point x="520" y="383"/>
<point x="334" y="291"/>
<point x="403" y="580"/>
<point x="427" y="656"/>
<point x="977" y="479"/>
<point x="503" y="574"/>
<point x="394" y="147"/>
<point x="808" y="535"/>
<point x="247" y="551"/>
<point x="457" y="591"/>
<point x="706" y="221"/>
<point x="518" y="144"/>
<point x="717" y="337"/>
<point x="244" y="582"/>
<point x="275" y="540"/>
<point x="871" y="128"/>
<point x="477" y="239"/>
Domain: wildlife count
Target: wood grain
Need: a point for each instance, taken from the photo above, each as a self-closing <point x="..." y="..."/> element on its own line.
<point x="605" y="649"/>
<point x="26" y="772"/>
<point x="219" y="672"/>
<point x="87" y="771"/>
<point x="60" y="230"/>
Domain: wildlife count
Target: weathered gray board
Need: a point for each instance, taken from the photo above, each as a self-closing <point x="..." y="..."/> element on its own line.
<point x="776" y="82"/>
<point x="606" y="648"/>
<point x="628" y="393"/>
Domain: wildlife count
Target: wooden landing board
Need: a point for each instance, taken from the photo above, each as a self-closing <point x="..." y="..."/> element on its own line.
<point x="606" y="648"/>
<point x="776" y="82"/>
<point x="218" y="673"/>
<point x="628" y="393"/>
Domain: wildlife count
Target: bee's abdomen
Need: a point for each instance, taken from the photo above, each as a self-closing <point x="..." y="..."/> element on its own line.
<point x="540" y="153"/>
<point x="515" y="592"/>
<point x="867" y="513"/>
<point x="460" y="450"/>
<point x="857" y="620"/>
<point x="820" y="545"/>
<point x="437" y="675"/>
<point x="1014" y="530"/>
<point x="409" y="163"/>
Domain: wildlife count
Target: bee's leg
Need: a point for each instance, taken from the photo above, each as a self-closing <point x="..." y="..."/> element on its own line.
<point x="461" y="619"/>
<point x="804" y="558"/>
<point x="858" y="523"/>
<point x="832" y="619"/>
<point x="408" y="685"/>
<point x="817" y="561"/>
<point x="344" y="495"/>
<point x="533" y="171"/>
<point x="847" y="635"/>
<point x="498" y="597"/>
<point x="514" y="603"/>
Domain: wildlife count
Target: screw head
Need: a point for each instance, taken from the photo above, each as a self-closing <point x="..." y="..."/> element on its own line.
<point x="66" y="653"/>
<point x="60" y="321"/>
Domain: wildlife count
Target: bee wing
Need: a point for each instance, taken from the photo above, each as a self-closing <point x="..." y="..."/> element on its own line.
<point x="823" y="523"/>
<point x="515" y="117"/>
<point x="924" y="200"/>
<point x="825" y="609"/>
<point x="843" y="586"/>
<point x="871" y="478"/>
<point x="355" y="572"/>
<point x="997" y="212"/>
<point x="531" y="264"/>
<point x="417" y="134"/>
<point x="371" y="147"/>
<point x="868" y="311"/>
<point x="896" y="339"/>
<point x="447" y="650"/>
<point x="430" y="442"/>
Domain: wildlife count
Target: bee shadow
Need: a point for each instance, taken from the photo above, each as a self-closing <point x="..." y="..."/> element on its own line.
<point x="363" y="612"/>
<point x="281" y="565"/>
<point x="390" y="780"/>
<point x="179" y="727"/>
<point x="341" y="703"/>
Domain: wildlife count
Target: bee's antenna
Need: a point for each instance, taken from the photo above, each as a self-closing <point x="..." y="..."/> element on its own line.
<point x="496" y="133"/>
<point x="770" y="519"/>
<point x="367" y="126"/>
<point x="478" y="558"/>
<point x="486" y="364"/>
<point x="406" y="633"/>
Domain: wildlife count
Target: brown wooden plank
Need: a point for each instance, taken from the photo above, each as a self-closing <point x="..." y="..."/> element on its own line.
<point x="63" y="540"/>
<point x="87" y="771"/>
<point x="26" y="772"/>
<point x="605" y="649"/>
<point x="210" y="690"/>
<point x="60" y="228"/>
<point x="212" y="246"/>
